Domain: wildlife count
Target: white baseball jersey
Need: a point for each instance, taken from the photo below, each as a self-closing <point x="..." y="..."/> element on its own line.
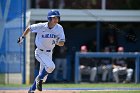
<point x="46" y="38"/>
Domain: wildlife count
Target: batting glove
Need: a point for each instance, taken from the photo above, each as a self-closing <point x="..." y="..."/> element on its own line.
<point x="20" y="39"/>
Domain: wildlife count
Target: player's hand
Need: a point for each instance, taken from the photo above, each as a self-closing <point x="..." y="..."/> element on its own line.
<point x="20" y="39"/>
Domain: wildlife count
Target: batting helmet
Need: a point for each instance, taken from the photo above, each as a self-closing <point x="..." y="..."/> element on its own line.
<point x="53" y="13"/>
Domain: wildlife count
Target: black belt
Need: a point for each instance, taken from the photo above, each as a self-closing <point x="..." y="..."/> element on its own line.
<point x="46" y="50"/>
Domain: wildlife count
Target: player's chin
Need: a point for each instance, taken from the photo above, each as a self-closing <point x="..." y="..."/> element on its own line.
<point x="56" y="23"/>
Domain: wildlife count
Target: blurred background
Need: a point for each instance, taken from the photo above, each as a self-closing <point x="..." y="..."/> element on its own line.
<point x="95" y="24"/>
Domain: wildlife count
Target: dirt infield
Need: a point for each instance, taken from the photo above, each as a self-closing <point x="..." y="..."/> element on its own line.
<point x="47" y="91"/>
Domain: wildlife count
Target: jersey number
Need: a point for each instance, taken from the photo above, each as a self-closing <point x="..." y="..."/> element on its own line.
<point x="53" y="42"/>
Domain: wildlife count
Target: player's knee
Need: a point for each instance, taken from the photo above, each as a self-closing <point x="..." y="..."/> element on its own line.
<point x="130" y="70"/>
<point x="115" y="70"/>
<point x="50" y="69"/>
<point x="94" y="69"/>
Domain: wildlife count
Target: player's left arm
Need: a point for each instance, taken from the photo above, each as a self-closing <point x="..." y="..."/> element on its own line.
<point x="60" y="41"/>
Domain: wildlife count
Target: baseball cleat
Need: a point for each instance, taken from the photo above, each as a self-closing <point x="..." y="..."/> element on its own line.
<point x="39" y="84"/>
<point x="30" y="91"/>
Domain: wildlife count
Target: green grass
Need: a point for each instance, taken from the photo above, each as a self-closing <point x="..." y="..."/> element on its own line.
<point x="97" y="85"/>
<point x="110" y="92"/>
<point x="85" y="85"/>
<point x="2" y="78"/>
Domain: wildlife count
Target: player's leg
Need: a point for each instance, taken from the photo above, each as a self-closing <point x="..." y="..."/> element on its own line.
<point x="33" y="87"/>
<point x="48" y="64"/>
<point x="110" y="74"/>
<point x="93" y="74"/>
<point x="47" y="67"/>
<point x="42" y="73"/>
<point x="104" y="74"/>
<point x="39" y="79"/>
<point x="116" y="75"/>
<point x="129" y="75"/>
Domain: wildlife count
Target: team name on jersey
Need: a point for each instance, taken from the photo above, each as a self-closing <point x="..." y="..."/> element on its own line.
<point x="49" y="36"/>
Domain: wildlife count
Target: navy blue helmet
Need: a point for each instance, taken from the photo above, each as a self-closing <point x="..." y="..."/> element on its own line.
<point x="53" y="13"/>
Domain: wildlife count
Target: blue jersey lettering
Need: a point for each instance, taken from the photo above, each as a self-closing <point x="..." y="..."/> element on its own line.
<point x="49" y="36"/>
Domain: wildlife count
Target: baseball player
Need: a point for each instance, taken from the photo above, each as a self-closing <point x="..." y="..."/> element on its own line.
<point x="48" y="35"/>
<point x="120" y="68"/>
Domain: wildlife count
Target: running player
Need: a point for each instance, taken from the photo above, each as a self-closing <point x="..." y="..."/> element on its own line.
<point x="48" y="35"/>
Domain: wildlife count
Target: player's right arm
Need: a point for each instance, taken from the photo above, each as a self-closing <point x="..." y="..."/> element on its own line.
<point x="32" y="28"/>
<point x="21" y="38"/>
<point x="26" y="32"/>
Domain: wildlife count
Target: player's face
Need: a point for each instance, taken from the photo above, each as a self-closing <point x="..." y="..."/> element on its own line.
<point x="55" y="20"/>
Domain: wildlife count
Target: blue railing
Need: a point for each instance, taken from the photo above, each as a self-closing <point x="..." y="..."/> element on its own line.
<point x="134" y="55"/>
